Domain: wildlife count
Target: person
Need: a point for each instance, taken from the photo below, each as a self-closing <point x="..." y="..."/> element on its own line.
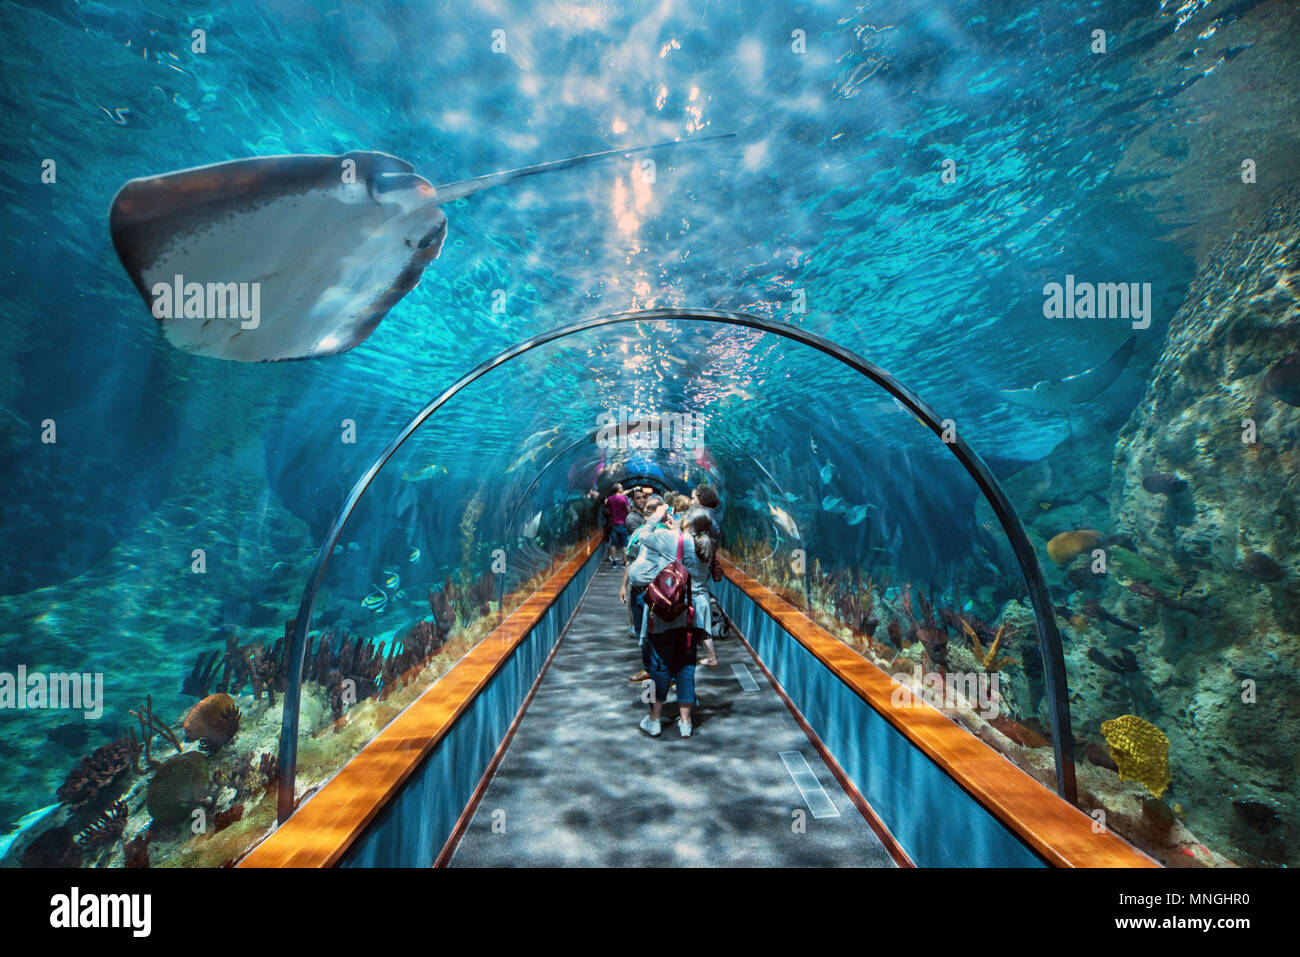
<point x="617" y="507"/>
<point x="638" y="573"/>
<point x="704" y="501"/>
<point x="674" y="643"/>
<point x="636" y="517"/>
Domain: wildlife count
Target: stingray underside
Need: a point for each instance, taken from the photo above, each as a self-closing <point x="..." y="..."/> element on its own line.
<point x="280" y="257"/>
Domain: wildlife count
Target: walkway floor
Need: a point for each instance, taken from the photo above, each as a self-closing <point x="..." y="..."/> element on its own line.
<point x="581" y="785"/>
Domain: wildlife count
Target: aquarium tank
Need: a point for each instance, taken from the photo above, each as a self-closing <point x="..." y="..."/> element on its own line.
<point x="248" y="245"/>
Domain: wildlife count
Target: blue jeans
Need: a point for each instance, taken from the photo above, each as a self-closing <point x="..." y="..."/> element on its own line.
<point x="618" y="536"/>
<point x="684" y="676"/>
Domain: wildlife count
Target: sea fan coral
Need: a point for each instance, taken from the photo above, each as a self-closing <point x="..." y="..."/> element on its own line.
<point x="1140" y="750"/>
<point x="96" y="774"/>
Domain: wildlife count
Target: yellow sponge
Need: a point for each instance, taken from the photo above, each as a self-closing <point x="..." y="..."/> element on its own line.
<point x="1140" y="750"/>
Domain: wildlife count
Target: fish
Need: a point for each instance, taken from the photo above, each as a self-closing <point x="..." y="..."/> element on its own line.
<point x="791" y="497"/>
<point x="783" y="520"/>
<point x="1123" y="663"/>
<point x="1163" y="483"/>
<point x="826" y="473"/>
<point x="856" y="514"/>
<point x="528" y="456"/>
<point x="272" y="258"/>
<point x="812" y="444"/>
<point x="829" y="502"/>
<point x="1058" y="395"/>
<point x="391" y="578"/>
<point x="414" y="557"/>
<point x="532" y="525"/>
<point x="1093" y="608"/>
<point x="376" y="600"/>
<point x="424" y="474"/>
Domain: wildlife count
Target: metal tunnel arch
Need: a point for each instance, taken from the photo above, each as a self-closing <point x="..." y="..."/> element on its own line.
<point x="1049" y="636"/>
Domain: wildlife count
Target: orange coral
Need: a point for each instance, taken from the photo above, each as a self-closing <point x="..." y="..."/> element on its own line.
<point x="213" y="721"/>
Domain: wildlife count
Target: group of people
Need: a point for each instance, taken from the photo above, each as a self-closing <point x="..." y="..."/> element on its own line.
<point x="646" y="534"/>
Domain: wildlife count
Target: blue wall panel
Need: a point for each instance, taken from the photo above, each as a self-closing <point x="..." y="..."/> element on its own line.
<point x="937" y="823"/>
<point x="414" y="826"/>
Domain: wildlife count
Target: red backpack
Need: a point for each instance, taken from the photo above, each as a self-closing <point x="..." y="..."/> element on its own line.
<point x="669" y="595"/>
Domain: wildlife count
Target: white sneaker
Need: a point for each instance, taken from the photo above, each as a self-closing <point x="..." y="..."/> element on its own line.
<point x="651" y="727"/>
<point x="684" y="727"/>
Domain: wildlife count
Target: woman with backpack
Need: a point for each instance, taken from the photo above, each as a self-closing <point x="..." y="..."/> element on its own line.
<point x="677" y="609"/>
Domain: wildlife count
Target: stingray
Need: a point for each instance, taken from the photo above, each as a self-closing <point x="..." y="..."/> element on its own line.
<point x="291" y="257"/>
<point x="1058" y="395"/>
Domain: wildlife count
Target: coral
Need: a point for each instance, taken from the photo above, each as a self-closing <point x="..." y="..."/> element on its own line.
<point x="199" y="680"/>
<point x="1063" y="548"/>
<point x="212" y="722"/>
<point x="989" y="660"/>
<point x="440" y="608"/>
<point x="223" y="819"/>
<point x="269" y="768"/>
<point x="149" y="726"/>
<point x="854" y="601"/>
<point x="96" y="774"/>
<point x="234" y="666"/>
<point x="106" y="828"/>
<point x="896" y="633"/>
<point x="935" y="642"/>
<point x="1140" y="750"/>
<point x="1020" y="732"/>
<point x="136" y="850"/>
<point x="178" y="786"/>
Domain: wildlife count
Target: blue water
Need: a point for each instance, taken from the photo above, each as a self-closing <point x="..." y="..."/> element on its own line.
<point x="828" y="211"/>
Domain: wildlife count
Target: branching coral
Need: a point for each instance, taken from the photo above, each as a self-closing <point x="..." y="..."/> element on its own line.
<point x="200" y="678"/>
<point x="149" y="726"/>
<point x="989" y="660"/>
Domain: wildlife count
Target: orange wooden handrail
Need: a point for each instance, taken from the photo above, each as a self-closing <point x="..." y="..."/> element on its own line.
<point x="1057" y="830"/>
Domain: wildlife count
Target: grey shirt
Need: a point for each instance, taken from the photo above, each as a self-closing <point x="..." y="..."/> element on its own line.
<point x="658" y="548"/>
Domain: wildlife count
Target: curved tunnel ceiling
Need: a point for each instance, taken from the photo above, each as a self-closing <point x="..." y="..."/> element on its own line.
<point x="813" y="427"/>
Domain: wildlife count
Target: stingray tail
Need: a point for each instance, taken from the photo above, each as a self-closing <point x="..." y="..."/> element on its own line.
<point x="465" y="187"/>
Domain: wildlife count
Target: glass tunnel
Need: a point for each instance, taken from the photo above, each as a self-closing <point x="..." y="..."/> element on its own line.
<point x="980" y="326"/>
